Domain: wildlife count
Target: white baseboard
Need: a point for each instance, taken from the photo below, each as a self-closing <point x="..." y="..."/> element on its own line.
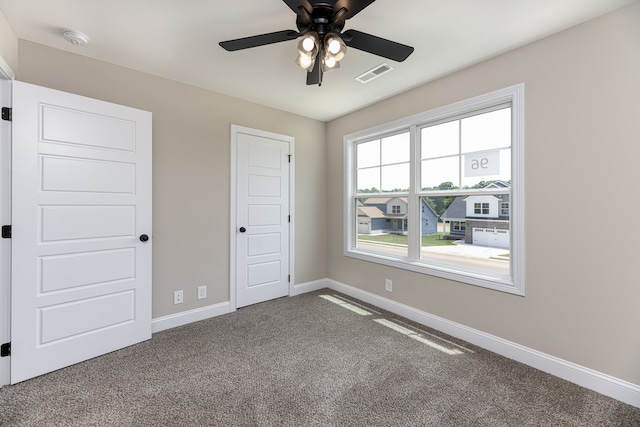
<point x="186" y="317"/>
<point x="605" y="384"/>
<point x="303" y="288"/>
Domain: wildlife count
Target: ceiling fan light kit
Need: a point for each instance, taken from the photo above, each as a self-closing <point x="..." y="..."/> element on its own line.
<point x="320" y="40"/>
<point x="332" y="50"/>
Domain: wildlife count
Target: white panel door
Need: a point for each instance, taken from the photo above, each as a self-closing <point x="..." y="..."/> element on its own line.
<point x="262" y="218"/>
<point x="81" y="203"/>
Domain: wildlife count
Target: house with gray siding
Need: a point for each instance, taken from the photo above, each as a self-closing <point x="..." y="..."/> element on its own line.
<point x="479" y="219"/>
<point x="378" y="215"/>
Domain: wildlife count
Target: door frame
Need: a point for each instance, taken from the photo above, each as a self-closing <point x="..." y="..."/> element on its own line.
<point x="235" y="130"/>
<point x="6" y="76"/>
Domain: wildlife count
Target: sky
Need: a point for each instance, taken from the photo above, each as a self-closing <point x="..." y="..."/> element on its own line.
<point x="465" y="152"/>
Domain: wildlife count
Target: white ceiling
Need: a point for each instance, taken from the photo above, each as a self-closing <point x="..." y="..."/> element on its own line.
<point x="178" y="40"/>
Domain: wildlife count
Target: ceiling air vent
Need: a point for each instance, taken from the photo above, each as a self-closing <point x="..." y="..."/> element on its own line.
<point x="373" y="73"/>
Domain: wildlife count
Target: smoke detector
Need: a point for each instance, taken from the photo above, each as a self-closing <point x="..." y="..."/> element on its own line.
<point x="76" y="38"/>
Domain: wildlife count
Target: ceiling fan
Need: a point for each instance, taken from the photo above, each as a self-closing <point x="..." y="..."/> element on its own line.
<point x="321" y="42"/>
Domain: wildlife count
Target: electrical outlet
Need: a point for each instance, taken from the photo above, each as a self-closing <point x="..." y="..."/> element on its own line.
<point x="202" y="292"/>
<point x="178" y="297"/>
<point x="388" y="285"/>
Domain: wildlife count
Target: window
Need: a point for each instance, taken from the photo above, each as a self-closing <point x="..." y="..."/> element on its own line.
<point x="465" y="163"/>
<point x="504" y="209"/>
<point x="481" y="208"/>
<point x="458" y="226"/>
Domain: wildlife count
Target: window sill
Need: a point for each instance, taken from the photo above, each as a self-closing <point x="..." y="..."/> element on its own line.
<point x="455" y="273"/>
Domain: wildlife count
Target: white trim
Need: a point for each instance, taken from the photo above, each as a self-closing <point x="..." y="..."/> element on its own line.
<point x="616" y="388"/>
<point x="514" y="282"/>
<point x="292" y="208"/>
<point x="235" y="130"/>
<point x="6" y="73"/>
<point x="195" y="315"/>
<point x="232" y="218"/>
<point x="303" y="288"/>
<point x="5" y="218"/>
<point x="186" y="317"/>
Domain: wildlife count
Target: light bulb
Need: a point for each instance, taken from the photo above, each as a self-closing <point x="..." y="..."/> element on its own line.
<point x="334" y="46"/>
<point x="305" y="61"/>
<point x="308" y="44"/>
<point x="330" y="61"/>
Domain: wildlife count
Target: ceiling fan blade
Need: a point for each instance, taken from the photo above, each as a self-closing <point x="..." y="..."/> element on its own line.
<point x="377" y="45"/>
<point x="259" y="40"/>
<point x="295" y="5"/>
<point x="314" y="77"/>
<point x="353" y="7"/>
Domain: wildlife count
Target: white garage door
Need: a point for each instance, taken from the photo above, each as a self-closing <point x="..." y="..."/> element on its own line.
<point x="364" y="227"/>
<point x="491" y="237"/>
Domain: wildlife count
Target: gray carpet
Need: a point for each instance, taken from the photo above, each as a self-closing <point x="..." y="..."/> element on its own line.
<point x="305" y="361"/>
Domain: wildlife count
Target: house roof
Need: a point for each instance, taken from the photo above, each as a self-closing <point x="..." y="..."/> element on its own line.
<point x="499" y="184"/>
<point x="457" y="210"/>
<point x="384" y="200"/>
<point x="371" y="212"/>
<point x="374" y="212"/>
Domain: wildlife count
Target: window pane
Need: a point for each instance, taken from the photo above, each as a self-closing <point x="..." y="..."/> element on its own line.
<point x="476" y="242"/>
<point x="480" y="169"/>
<point x="378" y="229"/>
<point x="395" y="149"/>
<point x="440" y="140"/>
<point x="368" y="180"/>
<point x="439" y="171"/>
<point x="395" y="178"/>
<point x="368" y="154"/>
<point x="486" y="131"/>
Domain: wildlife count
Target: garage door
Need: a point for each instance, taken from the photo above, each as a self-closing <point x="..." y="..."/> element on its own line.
<point x="364" y="227"/>
<point x="491" y="237"/>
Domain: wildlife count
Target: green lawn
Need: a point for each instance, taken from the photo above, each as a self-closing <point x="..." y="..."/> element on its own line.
<point x="427" y="240"/>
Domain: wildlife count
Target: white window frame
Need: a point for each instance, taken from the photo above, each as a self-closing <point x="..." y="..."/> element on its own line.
<point x="514" y="282"/>
<point x="459" y="225"/>
<point x="483" y="207"/>
<point x="504" y="208"/>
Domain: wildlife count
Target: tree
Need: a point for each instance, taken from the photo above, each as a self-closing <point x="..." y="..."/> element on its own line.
<point x="440" y="204"/>
<point x="481" y="184"/>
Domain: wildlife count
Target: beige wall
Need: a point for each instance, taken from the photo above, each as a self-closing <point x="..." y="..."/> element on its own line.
<point x="582" y="144"/>
<point x="191" y="167"/>
<point x="582" y="151"/>
<point x="8" y="44"/>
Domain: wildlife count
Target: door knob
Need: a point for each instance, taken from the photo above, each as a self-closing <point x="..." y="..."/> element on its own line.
<point x="144" y="238"/>
<point x="242" y="229"/>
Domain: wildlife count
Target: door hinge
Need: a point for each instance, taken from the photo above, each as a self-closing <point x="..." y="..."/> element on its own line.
<point x="289" y="218"/>
<point x="7" y="113"/>
<point x="6" y="231"/>
<point x="5" y="350"/>
<point x="289" y="157"/>
<point x="289" y="278"/>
